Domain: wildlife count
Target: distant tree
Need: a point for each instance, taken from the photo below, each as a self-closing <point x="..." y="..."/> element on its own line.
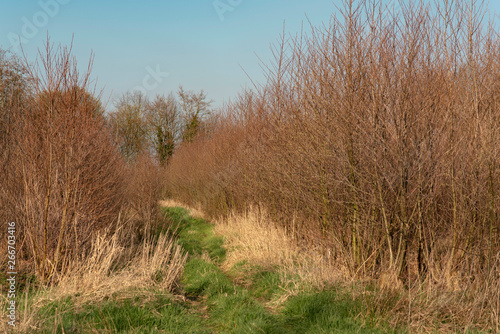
<point x="157" y="126"/>
<point x="163" y="119"/>
<point x="130" y="125"/>
<point x="194" y="107"/>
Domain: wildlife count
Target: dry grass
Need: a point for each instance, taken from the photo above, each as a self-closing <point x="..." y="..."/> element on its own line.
<point x="194" y="211"/>
<point x="96" y="277"/>
<point x="430" y="308"/>
<point x="110" y="269"/>
<point x="254" y="237"/>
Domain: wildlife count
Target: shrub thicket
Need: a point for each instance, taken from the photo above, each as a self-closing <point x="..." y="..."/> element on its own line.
<point x="376" y="136"/>
<point x="64" y="181"/>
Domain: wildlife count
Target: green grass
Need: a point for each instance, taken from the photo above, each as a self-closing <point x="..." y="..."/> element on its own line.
<point x="195" y="235"/>
<point x="266" y="284"/>
<point x="325" y="312"/>
<point x="205" y="279"/>
<point x="145" y="313"/>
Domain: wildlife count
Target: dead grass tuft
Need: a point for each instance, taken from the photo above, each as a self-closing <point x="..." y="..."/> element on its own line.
<point x="156" y="263"/>
<point x="108" y="270"/>
<point x="195" y="212"/>
<point x="254" y="237"/>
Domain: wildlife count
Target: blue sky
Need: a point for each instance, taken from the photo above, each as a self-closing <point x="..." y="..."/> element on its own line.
<point x="199" y="46"/>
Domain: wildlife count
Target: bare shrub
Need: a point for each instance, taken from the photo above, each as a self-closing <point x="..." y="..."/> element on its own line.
<point x="142" y="193"/>
<point x="64" y="182"/>
<point x="375" y="137"/>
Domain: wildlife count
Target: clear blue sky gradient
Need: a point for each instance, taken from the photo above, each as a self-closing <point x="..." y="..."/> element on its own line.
<point x="185" y="38"/>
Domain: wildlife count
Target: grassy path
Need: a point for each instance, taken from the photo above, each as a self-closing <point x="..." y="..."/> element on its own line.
<point x="226" y="307"/>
